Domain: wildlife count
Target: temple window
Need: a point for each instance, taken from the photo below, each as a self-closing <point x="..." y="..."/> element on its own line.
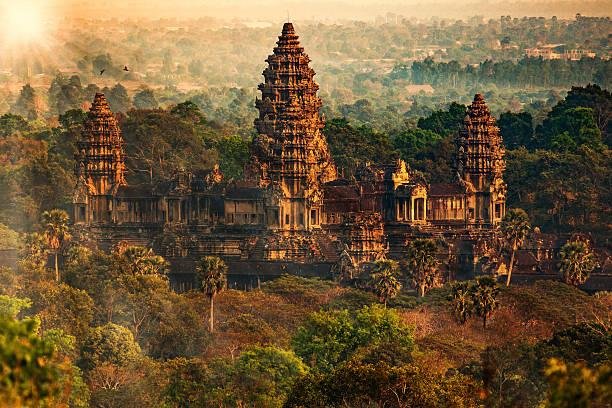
<point x="498" y="210"/>
<point x="313" y="216"/>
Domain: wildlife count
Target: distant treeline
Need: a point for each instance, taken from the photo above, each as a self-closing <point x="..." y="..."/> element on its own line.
<point x="526" y="72"/>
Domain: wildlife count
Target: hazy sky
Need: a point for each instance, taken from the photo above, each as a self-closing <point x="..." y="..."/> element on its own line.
<point x="273" y="10"/>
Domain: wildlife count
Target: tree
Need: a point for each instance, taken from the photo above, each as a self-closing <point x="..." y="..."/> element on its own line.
<point x="422" y="264"/>
<point x="353" y="145"/>
<point x="118" y="99"/>
<point x="484" y="297"/>
<point x="577" y="262"/>
<point x="516" y="129"/>
<point x="411" y="142"/>
<point x="328" y="338"/>
<point x="109" y="344"/>
<point x="384" y="282"/>
<point x="10" y="123"/>
<point x="566" y="129"/>
<point x="514" y="228"/>
<point x="578" y="386"/>
<point x="27" y="103"/>
<point x="212" y="276"/>
<point x="462" y="302"/>
<point x="57" y="232"/>
<point x="145" y="99"/>
<point x="445" y="122"/>
<point x="264" y="376"/>
<point x="30" y="373"/>
<point x="137" y="260"/>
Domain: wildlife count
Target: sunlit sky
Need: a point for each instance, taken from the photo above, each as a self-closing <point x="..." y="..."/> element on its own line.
<point x="323" y="10"/>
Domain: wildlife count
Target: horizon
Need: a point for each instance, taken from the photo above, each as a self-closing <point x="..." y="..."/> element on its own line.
<point x="333" y="11"/>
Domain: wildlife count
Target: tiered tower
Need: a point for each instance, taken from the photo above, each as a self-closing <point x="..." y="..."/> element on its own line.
<point x="290" y="153"/>
<point x="100" y="164"/>
<point x="480" y="165"/>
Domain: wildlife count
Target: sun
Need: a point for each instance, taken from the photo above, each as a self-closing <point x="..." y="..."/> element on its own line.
<point x="22" y="23"/>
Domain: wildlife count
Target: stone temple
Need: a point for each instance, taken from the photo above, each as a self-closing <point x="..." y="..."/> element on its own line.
<point x="291" y="212"/>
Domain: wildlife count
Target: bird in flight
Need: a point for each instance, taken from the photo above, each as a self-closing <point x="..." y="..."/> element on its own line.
<point x="101" y="72"/>
<point x="125" y="68"/>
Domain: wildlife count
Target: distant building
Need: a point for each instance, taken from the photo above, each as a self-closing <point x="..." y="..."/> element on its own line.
<point x="556" y="51"/>
<point x="292" y="212"/>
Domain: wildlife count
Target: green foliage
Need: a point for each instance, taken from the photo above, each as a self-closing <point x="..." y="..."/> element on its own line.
<point x="11" y="306"/>
<point x="233" y="155"/>
<point x="145" y="99"/>
<point x="29" y="375"/>
<point x="327" y="339"/>
<point x="478" y="297"/>
<point x="265" y="375"/>
<point x="212" y="275"/>
<point x="384" y="280"/>
<point x="10" y="123"/>
<point x="351" y="299"/>
<point x="577" y="262"/>
<point x="109" y="344"/>
<point x="56" y="230"/>
<point x="445" y="122"/>
<point x="514" y="229"/>
<point x="159" y="142"/>
<point x="118" y="99"/>
<point x="351" y="146"/>
<point x="298" y="289"/>
<point x="568" y="129"/>
<point x="516" y="129"/>
<point x="560" y="191"/>
<point x="462" y="302"/>
<point x="411" y="142"/>
<point x="484" y="297"/>
<point x="422" y="264"/>
<point x="577" y="386"/>
<point x="360" y="384"/>
<point x="135" y="260"/>
<point x="514" y="374"/>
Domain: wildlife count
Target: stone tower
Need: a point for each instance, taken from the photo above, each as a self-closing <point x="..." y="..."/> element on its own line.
<point x="100" y="164"/>
<point x="480" y="165"/>
<point x="290" y="154"/>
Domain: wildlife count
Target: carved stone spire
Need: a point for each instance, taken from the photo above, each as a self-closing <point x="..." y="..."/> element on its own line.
<point x="290" y="151"/>
<point x="290" y="145"/>
<point x="480" y="162"/>
<point x="480" y="150"/>
<point x="100" y="160"/>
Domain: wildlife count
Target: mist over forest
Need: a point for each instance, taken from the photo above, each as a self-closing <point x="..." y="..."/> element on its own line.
<point x="82" y="325"/>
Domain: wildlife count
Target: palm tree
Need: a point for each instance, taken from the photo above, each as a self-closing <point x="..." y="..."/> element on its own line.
<point x="514" y="227"/>
<point x="212" y="275"/>
<point x="484" y="296"/>
<point x="384" y="282"/>
<point x="577" y="262"/>
<point x="422" y="264"/>
<point x="56" y="232"/>
<point x="461" y="298"/>
<point x="139" y="260"/>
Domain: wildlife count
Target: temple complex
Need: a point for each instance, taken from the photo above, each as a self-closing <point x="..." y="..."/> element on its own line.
<point x="292" y="212"/>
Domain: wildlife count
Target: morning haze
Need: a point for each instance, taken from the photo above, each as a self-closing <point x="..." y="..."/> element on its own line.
<point x="359" y="204"/>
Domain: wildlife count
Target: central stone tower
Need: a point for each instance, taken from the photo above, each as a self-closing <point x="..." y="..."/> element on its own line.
<point x="480" y="165"/>
<point x="290" y="156"/>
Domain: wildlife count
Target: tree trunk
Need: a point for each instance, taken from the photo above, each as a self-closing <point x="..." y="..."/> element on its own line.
<point x="421" y="290"/>
<point x="484" y="321"/>
<point x="510" y="267"/>
<point x="57" y="277"/>
<point x="212" y="315"/>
